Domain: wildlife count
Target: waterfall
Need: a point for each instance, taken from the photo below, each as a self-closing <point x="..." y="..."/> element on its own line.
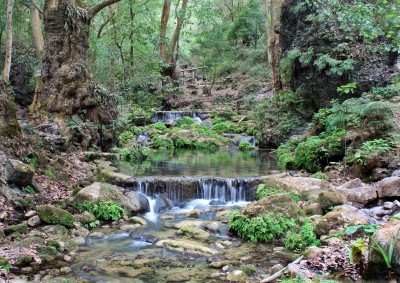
<point x="182" y="189"/>
<point x="166" y="116"/>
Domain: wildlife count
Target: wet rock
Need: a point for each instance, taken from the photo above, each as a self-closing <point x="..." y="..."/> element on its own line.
<point x="97" y="235"/>
<point x="280" y="203"/>
<point x="236" y="276"/>
<point x="162" y="204"/>
<point x="396" y="173"/>
<point x="34" y="221"/>
<point x="275" y="268"/>
<point x="185" y="246"/>
<point x="86" y="217"/>
<point x="127" y="227"/>
<point x="167" y="216"/>
<point x="137" y="220"/>
<point x="219" y="246"/>
<point x="18" y="173"/>
<point x="54" y="215"/>
<point x="80" y="241"/>
<point x="341" y="217"/>
<point x="98" y="192"/>
<point x="217" y="202"/>
<point x="331" y="198"/>
<point x="194" y="232"/>
<point x="227" y="243"/>
<point x="139" y="202"/>
<point x="65" y="270"/>
<point x="313" y="209"/>
<point x="178" y="278"/>
<point x="194" y="213"/>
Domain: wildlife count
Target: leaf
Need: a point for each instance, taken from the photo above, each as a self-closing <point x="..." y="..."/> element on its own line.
<point x="356" y="250"/>
<point x="352" y="229"/>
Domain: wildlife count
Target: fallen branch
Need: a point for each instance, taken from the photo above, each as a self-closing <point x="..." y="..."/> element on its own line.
<point x="278" y="274"/>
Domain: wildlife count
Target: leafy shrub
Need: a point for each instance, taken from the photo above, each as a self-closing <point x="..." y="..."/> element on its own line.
<point x="286" y="154"/>
<point x="246" y="146"/>
<point x="159" y="142"/>
<point x="126" y="135"/>
<point x="306" y="237"/>
<point x="49" y="173"/>
<point x="248" y="269"/>
<point x="387" y="92"/>
<point x="263" y="191"/>
<point x="370" y="148"/>
<point x="158" y="126"/>
<point x="263" y="228"/>
<point x="104" y="210"/>
<point x="315" y="151"/>
<point x="185" y="121"/>
<point x="29" y="190"/>
<point x="134" y="153"/>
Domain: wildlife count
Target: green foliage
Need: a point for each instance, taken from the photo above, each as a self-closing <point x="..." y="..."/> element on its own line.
<point x="266" y="227"/>
<point x="286" y="153"/>
<point x="263" y="191"/>
<point x="320" y="175"/>
<point x="104" y="210"/>
<point x="346" y="89"/>
<point x="369" y="149"/>
<point x="315" y="151"/>
<point x="50" y="174"/>
<point x="4" y="264"/>
<point x="246" y="146"/>
<point x="158" y="126"/>
<point x="159" y="142"/>
<point x="331" y="66"/>
<point x="29" y="190"/>
<point x="93" y="224"/>
<point x="134" y="154"/>
<point x="384" y="93"/>
<point x="306" y="237"/>
<point x="248" y="269"/>
<point x="185" y="121"/>
<point x="126" y="135"/>
<point x="286" y="64"/>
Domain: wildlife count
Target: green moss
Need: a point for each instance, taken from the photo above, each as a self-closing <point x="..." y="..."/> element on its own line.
<point x="23" y="260"/>
<point x="19" y="228"/>
<point x="248" y="269"/>
<point x="244" y="146"/>
<point x="55" y="215"/>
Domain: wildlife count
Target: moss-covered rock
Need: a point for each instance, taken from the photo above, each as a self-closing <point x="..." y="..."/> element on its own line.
<point x="54" y="215"/>
<point x="280" y="203"/>
<point x="186" y="246"/>
<point x="17" y="172"/>
<point x="86" y="217"/>
<point x="19" y="228"/>
<point x="194" y="232"/>
<point x="23" y="260"/>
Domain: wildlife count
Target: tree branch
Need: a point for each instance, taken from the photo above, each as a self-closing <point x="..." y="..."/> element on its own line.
<point x="36" y="6"/>
<point x="103" y="25"/>
<point x="92" y="11"/>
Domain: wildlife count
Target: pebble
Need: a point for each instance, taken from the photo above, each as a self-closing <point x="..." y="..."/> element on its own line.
<point x="67" y="258"/>
<point x="219" y="246"/>
<point x="65" y="270"/>
<point x="30" y="213"/>
<point x="227" y="243"/>
<point x="34" y="221"/>
<point x="225" y="268"/>
<point x="97" y="235"/>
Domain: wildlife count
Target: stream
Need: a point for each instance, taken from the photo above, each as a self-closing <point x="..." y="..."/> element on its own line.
<point x="203" y="188"/>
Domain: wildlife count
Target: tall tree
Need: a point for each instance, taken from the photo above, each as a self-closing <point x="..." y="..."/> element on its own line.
<point x="9" y="126"/>
<point x="68" y="88"/>
<point x="170" y="54"/>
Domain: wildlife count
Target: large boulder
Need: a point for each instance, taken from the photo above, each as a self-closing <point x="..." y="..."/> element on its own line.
<point x="18" y="173"/>
<point x="163" y="204"/>
<point x="389" y="187"/>
<point x="139" y="202"/>
<point x="384" y="236"/>
<point x="280" y="203"/>
<point x="340" y="217"/>
<point x="54" y="215"/>
<point x="98" y="192"/>
<point x="307" y="188"/>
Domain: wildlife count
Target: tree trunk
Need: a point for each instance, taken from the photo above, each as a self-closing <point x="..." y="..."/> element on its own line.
<point x="7" y="60"/>
<point x="68" y="88"/>
<point x="37" y="35"/>
<point x="163" y="29"/>
<point x="9" y="126"/>
<point x="273" y="14"/>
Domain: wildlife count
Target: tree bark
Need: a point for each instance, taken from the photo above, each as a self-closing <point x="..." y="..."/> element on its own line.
<point x="163" y="29"/>
<point x="180" y="17"/>
<point x="68" y="88"/>
<point x="273" y="14"/>
<point x="7" y="60"/>
<point x="9" y="126"/>
<point x="37" y="35"/>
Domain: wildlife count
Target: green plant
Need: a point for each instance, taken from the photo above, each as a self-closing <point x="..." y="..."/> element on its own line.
<point x="249" y="269"/>
<point x="49" y="173"/>
<point x="134" y="154"/>
<point x="265" y="227"/>
<point x="263" y="191"/>
<point x="346" y="89"/>
<point x="306" y="237"/>
<point x="185" y="121"/>
<point x="29" y="190"/>
<point x="286" y="153"/>
<point x="320" y="175"/>
<point x="93" y="224"/>
<point x="370" y="148"/>
<point x="104" y="210"/>
<point x="246" y="146"/>
<point x="158" y="126"/>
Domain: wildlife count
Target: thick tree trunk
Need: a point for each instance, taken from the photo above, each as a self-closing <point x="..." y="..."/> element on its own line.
<point x="37" y="35"/>
<point x="68" y="89"/>
<point x="7" y="61"/>
<point x="163" y="29"/>
<point x="9" y="126"/>
<point x="273" y="15"/>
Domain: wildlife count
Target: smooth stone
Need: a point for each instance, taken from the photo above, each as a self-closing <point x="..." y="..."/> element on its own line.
<point x="97" y="235"/>
<point x="30" y="213"/>
<point x="66" y="270"/>
<point x="127" y="227"/>
<point x="34" y="221"/>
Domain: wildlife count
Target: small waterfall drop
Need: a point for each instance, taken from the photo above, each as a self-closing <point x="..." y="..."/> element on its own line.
<point x="167" y="116"/>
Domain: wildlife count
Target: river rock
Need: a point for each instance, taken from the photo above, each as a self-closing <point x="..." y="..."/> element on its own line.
<point x="194" y="232"/>
<point x="162" y="204"/>
<point x="34" y="221"/>
<point x="341" y="217"/>
<point x="18" y="173"/>
<point x="280" y="203"/>
<point x="331" y="198"/>
<point x="54" y="215"/>
<point x="389" y="187"/>
<point x="186" y="246"/>
<point x="307" y="188"/>
<point x="86" y="217"/>
<point x="137" y="220"/>
<point x="127" y="227"/>
<point x="98" y="192"/>
<point x="30" y="213"/>
<point x="139" y="202"/>
<point x="236" y="276"/>
<point x="384" y="236"/>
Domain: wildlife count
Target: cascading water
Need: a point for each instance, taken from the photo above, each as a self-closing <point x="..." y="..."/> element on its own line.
<point x="166" y="116"/>
<point x="237" y="139"/>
